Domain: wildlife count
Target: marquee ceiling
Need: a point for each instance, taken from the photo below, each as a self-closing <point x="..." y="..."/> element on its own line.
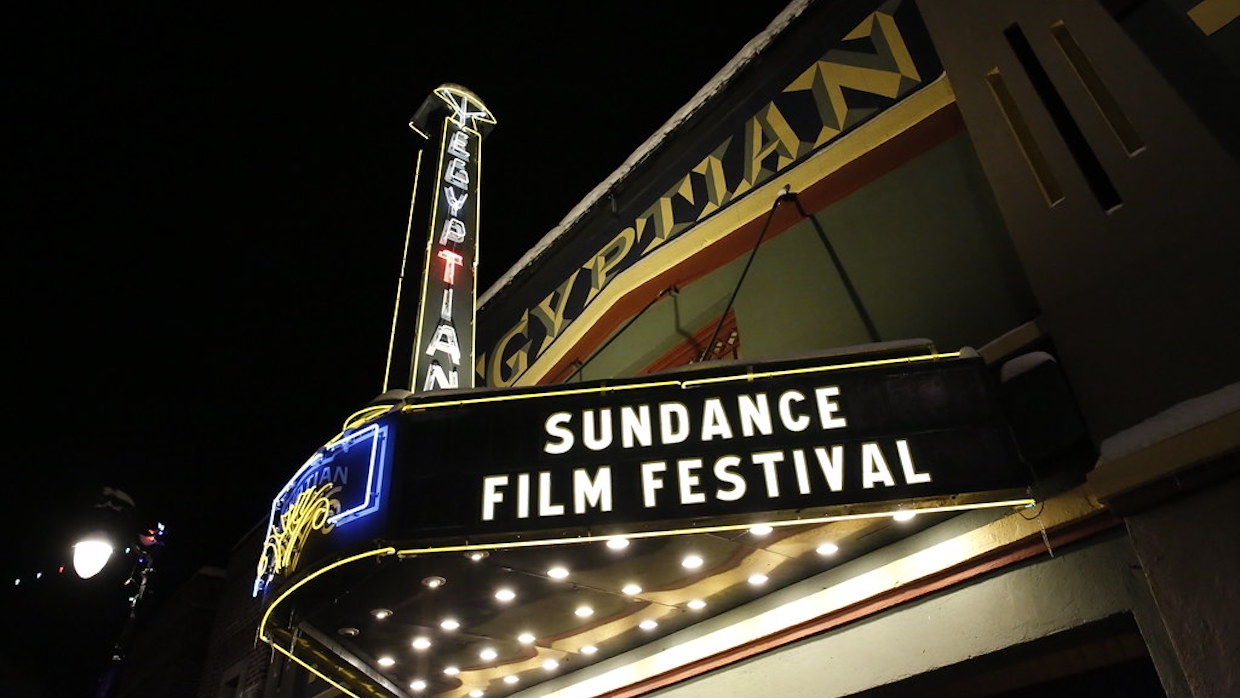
<point x="492" y="623"/>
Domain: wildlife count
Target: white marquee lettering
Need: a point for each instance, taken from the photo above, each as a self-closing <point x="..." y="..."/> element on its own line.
<point x="874" y="467"/>
<point x="554" y="427"/>
<point x="596" y="429"/>
<point x="523" y="496"/>
<point x="832" y="466"/>
<point x="635" y="426"/>
<point x="445" y="307"/>
<point x="790" y="421"/>
<point x="800" y="467"/>
<point x="457" y="174"/>
<point x="457" y="146"/>
<point x="673" y="422"/>
<point x="451" y="260"/>
<point x="768" y="460"/>
<point x="437" y="378"/>
<point x="455" y="202"/>
<point x="725" y="471"/>
<point x="828" y="407"/>
<point x="580" y="491"/>
<point x="594" y="493"/>
<point x="755" y="414"/>
<point x="651" y="482"/>
<point x="491" y="494"/>
<point x="453" y="231"/>
<point x="445" y="341"/>
<point x="688" y="480"/>
<point x="911" y="476"/>
<point x="714" y="420"/>
<point x="545" y="505"/>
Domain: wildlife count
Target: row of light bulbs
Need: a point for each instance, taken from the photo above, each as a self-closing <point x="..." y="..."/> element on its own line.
<point x="505" y="595"/>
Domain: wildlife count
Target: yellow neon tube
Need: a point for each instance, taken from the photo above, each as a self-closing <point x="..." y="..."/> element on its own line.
<point x="529" y="396"/>
<point x="748" y="376"/>
<point x="262" y="624"/>
<point x="820" y="369"/>
<point x="314" y="671"/>
<point x="1022" y="502"/>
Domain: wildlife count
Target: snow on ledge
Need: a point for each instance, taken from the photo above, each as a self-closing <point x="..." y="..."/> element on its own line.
<point x="1171" y="422"/>
<point x="710" y="91"/>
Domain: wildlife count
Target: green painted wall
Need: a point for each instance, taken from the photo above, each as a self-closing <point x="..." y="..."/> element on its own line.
<point x="925" y="248"/>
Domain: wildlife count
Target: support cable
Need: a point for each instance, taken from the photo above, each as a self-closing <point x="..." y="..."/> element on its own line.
<point x="671" y="290"/>
<point x="839" y="269"/>
<point x="783" y="196"/>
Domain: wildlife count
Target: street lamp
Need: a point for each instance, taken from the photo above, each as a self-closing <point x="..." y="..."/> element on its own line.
<point x="93" y="552"/>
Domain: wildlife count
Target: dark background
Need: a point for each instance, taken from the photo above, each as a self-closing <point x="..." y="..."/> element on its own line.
<point x="203" y="227"/>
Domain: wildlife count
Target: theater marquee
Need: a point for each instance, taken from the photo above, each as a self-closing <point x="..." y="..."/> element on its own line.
<point x="786" y="441"/>
<point x="726" y="446"/>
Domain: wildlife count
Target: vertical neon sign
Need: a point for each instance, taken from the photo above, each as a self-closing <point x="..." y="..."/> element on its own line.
<point x="443" y="352"/>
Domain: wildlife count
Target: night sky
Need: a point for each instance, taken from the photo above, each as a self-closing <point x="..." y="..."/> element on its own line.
<point x="204" y="223"/>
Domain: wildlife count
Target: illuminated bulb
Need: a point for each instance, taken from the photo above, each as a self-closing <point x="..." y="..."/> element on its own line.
<point x="557" y="572"/>
<point x="551" y="665"/>
<point x="488" y="654"/>
<point x="828" y="549"/>
<point x="757" y="579"/>
<point x="584" y="611"/>
<point x="418" y="685"/>
<point x="648" y="624"/>
<point x="451" y="671"/>
<point x="691" y="562"/>
<point x="511" y="679"/>
<point x="434" y="582"/>
<point x="476" y="693"/>
<point x="386" y="661"/>
<point x="380" y="613"/>
<point x="526" y="638"/>
<point x="477" y="555"/>
<point x="618" y="543"/>
<point x="697" y="604"/>
<point x="89" y="557"/>
<point x="761" y="530"/>
<point x="449" y="624"/>
<point x="505" y="595"/>
<point x="631" y="590"/>
<point x="421" y="643"/>
<point x="589" y="649"/>
<point x="904" y="515"/>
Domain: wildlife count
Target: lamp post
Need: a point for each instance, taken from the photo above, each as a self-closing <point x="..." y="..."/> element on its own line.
<point x="93" y="552"/>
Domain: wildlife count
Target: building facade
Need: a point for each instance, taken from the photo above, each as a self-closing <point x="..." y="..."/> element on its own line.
<point x="1046" y="189"/>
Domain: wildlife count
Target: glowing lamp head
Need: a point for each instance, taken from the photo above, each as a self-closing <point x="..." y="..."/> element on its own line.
<point x="90" y="555"/>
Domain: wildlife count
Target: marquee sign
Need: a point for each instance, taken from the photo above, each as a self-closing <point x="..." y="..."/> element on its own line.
<point x="784" y="441"/>
<point x="445" y="330"/>
<point x="341" y="483"/>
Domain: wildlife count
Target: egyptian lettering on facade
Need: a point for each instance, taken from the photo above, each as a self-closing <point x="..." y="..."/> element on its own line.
<point x="806" y="115"/>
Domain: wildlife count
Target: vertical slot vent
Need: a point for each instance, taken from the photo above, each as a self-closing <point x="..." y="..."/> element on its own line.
<point x="1086" y="160"/>
<point x="1097" y="89"/>
<point x="1024" y="138"/>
